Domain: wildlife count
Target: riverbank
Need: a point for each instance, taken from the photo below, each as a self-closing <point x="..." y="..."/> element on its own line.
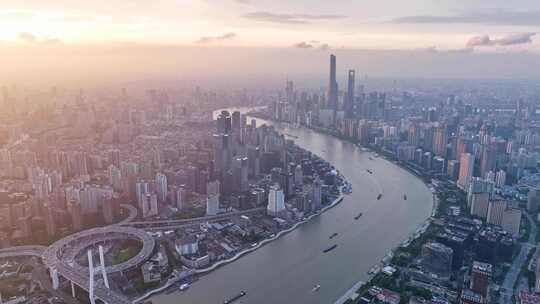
<point x="349" y="293"/>
<point x="287" y="269"/>
<point x="266" y="241"/>
<point x="419" y="231"/>
<point x="281" y="233"/>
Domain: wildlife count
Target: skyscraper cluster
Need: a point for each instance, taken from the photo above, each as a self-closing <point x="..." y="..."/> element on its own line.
<point x="244" y="154"/>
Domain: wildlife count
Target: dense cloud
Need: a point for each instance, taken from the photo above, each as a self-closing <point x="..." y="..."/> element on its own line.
<point x="479" y="41"/>
<point x="324" y="46"/>
<point x="511" y="39"/>
<point x="31" y="38"/>
<point x="303" y="45"/>
<point x="51" y="41"/>
<point x="491" y="17"/>
<point x="289" y="18"/>
<point x="435" y="50"/>
<point x="311" y="45"/>
<point x="27" y="37"/>
<point x="466" y="50"/>
<point x="210" y="39"/>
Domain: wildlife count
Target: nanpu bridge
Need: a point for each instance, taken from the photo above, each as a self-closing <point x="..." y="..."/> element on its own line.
<point x="61" y="257"/>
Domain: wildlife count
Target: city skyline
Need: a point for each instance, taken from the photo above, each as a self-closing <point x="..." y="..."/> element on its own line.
<point x="300" y="152"/>
<point x="162" y="188"/>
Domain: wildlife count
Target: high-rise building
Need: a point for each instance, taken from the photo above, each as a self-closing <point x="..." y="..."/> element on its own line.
<point x="298" y="176"/>
<point x="453" y="169"/>
<point x="222" y="153"/>
<point x="213" y="188"/>
<point x="75" y="210"/>
<point x="276" y="200"/>
<point x="50" y="222"/>
<point x="192" y="175"/>
<point x="317" y="193"/>
<point x="254" y="161"/>
<point x="349" y="101"/>
<point x="224" y="124"/>
<point x="466" y="167"/>
<point x="150" y="205"/>
<point x="333" y="88"/>
<point x="114" y="157"/>
<point x="490" y="176"/>
<point x="91" y="197"/>
<point x="129" y="169"/>
<point x="161" y="186"/>
<point x="537" y="275"/>
<point x="236" y="121"/>
<point x="212" y="205"/>
<point x="413" y="136"/>
<point x="496" y="210"/>
<point x="141" y="189"/>
<point x="461" y="147"/>
<point x="480" y="278"/>
<point x="115" y="178"/>
<point x="477" y="184"/>
<point x="479" y="204"/>
<point x="427" y="144"/>
<point x="487" y="160"/>
<point x="289" y="91"/>
<point x="532" y="199"/>
<point x="108" y="211"/>
<point x="437" y="258"/>
<point x="240" y="174"/>
<point x="202" y="179"/>
<point x="511" y="221"/>
<point x="470" y="297"/>
<point x="440" y="140"/>
<point x="500" y="178"/>
<point x="181" y="197"/>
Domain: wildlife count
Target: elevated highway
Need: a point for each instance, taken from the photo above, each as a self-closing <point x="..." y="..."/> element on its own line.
<point x="172" y="224"/>
<point x="17" y="251"/>
<point x="60" y="258"/>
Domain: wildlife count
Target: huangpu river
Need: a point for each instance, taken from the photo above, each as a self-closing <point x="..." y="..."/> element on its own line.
<point x="287" y="269"/>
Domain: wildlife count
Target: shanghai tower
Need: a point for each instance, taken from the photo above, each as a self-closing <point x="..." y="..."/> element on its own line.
<point x="333" y="88"/>
<point x="349" y="101"/>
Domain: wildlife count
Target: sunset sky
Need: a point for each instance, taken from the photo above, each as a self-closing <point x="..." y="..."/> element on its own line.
<point x="495" y="25"/>
<point x="119" y="40"/>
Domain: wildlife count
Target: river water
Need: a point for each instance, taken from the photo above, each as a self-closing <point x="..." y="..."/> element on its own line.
<point x="287" y="269"/>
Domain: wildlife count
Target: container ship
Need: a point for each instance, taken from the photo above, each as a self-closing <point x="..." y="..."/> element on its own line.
<point x="236" y="297"/>
<point x="330" y="248"/>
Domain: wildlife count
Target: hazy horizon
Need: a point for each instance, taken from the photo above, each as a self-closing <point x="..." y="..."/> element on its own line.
<point x="97" y="65"/>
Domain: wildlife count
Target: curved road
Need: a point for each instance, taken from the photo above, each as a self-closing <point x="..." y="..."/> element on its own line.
<point x="55" y="257"/>
<point x="132" y="214"/>
<point x="80" y="278"/>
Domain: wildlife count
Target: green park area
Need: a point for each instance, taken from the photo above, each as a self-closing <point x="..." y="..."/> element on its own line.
<point x="124" y="254"/>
